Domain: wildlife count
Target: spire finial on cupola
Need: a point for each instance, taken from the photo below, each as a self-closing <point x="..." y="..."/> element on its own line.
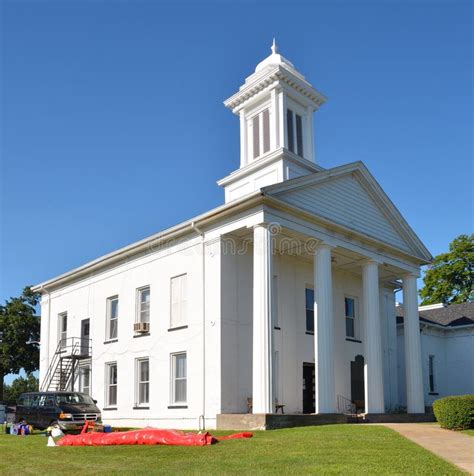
<point x="274" y="47"/>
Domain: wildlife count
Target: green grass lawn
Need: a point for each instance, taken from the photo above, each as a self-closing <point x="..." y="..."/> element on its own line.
<point x="468" y="432"/>
<point x="332" y="449"/>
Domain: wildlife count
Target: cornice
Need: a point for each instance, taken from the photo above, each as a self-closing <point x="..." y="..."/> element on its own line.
<point x="279" y="74"/>
<point x="151" y="243"/>
<point x="254" y="166"/>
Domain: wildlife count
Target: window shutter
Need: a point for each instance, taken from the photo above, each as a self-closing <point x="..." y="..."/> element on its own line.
<point x="266" y="130"/>
<point x="256" y="136"/>
<point x="289" y="128"/>
<point x="299" y="135"/>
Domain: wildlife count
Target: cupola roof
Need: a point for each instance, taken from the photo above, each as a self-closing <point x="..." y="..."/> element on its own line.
<point x="274" y="59"/>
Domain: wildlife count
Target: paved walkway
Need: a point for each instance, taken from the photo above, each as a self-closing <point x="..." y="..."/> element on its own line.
<point x="453" y="446"/>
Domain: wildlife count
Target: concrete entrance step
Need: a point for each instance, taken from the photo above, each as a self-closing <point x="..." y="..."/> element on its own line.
<point x="272" y="421"/>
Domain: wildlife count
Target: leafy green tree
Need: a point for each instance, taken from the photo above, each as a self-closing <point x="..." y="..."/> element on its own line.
<point x="450" y="277"/>
<point x="19" y="335"/>
<point x="19" y="386"/>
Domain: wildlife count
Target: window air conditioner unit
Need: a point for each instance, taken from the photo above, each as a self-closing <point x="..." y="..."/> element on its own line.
<point x="141" y="327"/>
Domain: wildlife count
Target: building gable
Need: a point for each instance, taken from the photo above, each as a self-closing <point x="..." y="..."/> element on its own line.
<point x="349" y="196"/>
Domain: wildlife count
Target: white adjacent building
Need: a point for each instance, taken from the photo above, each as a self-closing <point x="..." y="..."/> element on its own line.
<point x="283" y="295"/>
<point x="447" y="350"/>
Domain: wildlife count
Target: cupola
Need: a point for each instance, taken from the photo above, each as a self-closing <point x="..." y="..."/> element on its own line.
<point x="275" y="106"/>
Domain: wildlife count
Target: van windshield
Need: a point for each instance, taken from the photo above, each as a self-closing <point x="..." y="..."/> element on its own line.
<point x="74" y="398"/>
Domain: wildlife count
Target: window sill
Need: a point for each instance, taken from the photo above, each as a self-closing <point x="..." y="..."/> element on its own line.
<point x="433" y="393"/>
<point x="107" y="409"/>
<point x="172" y="329"/>
<point x="111" y="341"/>
<point x="141" y="334"/>
<point x="309" y="333"/>
<point x="140" y="408"/>
<point x="350" y="339"/>
<point x="172" y="407"/>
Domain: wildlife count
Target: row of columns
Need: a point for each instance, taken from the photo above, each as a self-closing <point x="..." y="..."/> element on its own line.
<point x="263" y="400"/>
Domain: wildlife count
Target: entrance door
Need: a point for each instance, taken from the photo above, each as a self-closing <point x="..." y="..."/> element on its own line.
<point x="85" y="336"/>
<point x="308" y="388"/>
<point x="357" y="382"/>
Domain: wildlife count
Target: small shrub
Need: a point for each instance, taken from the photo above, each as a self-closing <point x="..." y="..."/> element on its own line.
<point x="455" y="413"/>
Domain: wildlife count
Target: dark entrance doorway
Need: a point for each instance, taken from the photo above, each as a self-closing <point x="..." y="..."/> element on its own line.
<point x="357" y="382"/>
<point x="308" y="388"/>
<point x="85" y="336"/>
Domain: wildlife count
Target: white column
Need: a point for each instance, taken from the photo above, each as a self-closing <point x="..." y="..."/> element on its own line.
<point x="262" y="393"/>
<point x="243" y="139"/>
<point x="310" y="132"/>
<point x="323" y="331"/>
<point x="373" y="368"/>
<point x="282" y="119"/>
<point x="307" y="134"/>
<point x="411" y="330"/>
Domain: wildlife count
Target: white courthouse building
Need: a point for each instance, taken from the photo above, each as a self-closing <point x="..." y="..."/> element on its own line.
<point x="283" y="295"/>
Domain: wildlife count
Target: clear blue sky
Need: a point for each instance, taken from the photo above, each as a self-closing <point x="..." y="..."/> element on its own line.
<point x="113" y="126"/>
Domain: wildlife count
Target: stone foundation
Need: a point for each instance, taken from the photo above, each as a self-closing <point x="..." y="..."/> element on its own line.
<point x="271" y="421"/>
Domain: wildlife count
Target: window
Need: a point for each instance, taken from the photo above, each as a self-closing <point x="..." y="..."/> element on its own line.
<point x="261" y="133"/>
<point x="349" y="304"/>
<point x="309" y="310"/>
<point x="431" y="373"/>
<point x="178" y="301"/>
<point x="85" y="379"/>
<point x="143" y="297"/>
<point x="111" y="384"/>
<point x="62" y="329"/>
<point x="179" y="372"/>
<point x="142" y="381"/>
<point x="294" y="127"/>
<point x="112" y="317"/>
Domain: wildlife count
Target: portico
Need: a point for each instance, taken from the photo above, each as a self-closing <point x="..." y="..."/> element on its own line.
<point x="324" y="257"/>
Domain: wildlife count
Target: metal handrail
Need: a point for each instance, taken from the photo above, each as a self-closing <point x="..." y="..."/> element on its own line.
<point x="345" y="405"/>
<point x="69" y="347"/>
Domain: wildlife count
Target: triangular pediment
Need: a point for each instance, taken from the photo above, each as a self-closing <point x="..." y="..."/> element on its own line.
<point x="350" y="197"/>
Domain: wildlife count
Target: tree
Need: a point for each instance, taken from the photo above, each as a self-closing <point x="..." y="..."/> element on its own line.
<point x="19" y="335"/>
<point x="450" y="277"/>
<point x="19" y="386"/>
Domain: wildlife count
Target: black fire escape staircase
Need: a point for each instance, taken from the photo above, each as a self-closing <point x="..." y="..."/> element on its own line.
<point x="63" y="368"/>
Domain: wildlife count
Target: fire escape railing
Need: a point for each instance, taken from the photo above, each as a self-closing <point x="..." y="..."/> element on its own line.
<point x="61" y="370"/>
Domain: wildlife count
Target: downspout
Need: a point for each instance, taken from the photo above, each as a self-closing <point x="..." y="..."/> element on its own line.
<point x="43" y="289"/>
<point x="202" y="417"/>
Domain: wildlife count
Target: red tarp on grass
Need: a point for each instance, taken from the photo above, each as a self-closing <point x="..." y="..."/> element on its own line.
<point x="146" y="436"/>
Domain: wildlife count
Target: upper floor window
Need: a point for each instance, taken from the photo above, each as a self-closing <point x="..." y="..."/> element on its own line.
<point x="309" y="294"/>
<point x="143" y="311"/>
<point x="112" y="317"/>
<point x="62" y="329"/>
<point x="261" y="133"/>
<point x="350" y="313"/>
<point x="178" y="301"/>
<point x="294" y="126"/>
